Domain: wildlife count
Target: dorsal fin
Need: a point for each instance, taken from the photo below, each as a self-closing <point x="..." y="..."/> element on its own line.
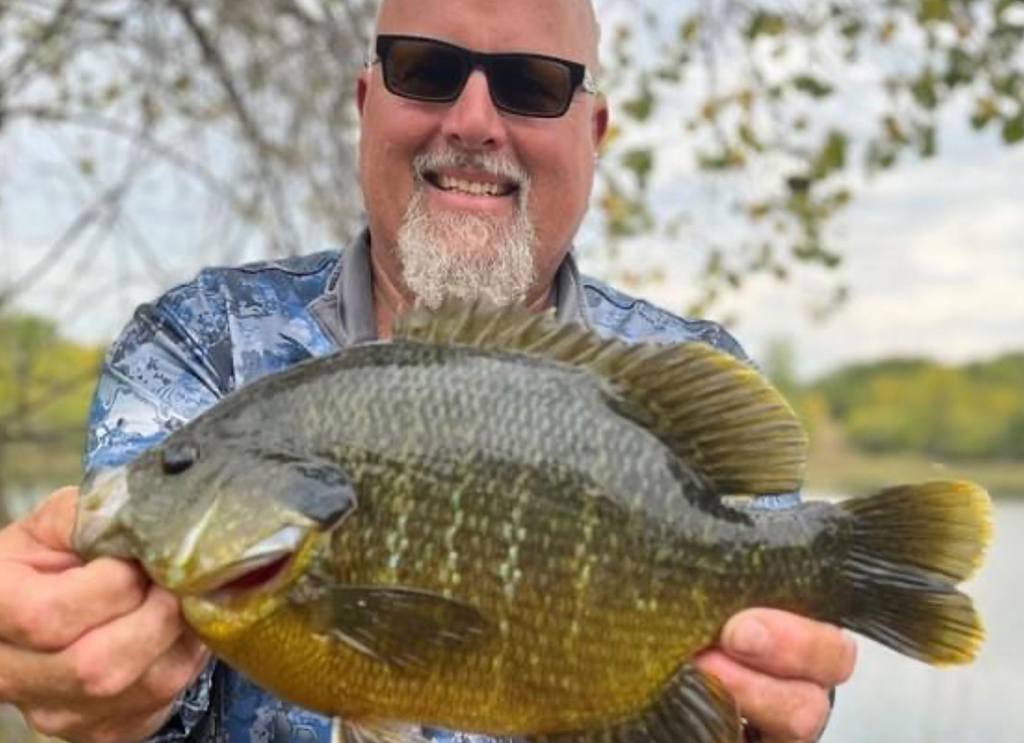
<point x="717" y="414"/>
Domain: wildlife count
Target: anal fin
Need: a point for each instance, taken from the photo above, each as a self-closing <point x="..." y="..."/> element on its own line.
<point x="693" y="707"/>
<point x="374" y="730"/>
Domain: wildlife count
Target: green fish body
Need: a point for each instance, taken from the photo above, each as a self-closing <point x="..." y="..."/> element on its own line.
<point x="501" y="525"/>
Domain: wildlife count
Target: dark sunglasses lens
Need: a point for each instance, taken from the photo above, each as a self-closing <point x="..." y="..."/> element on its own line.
<point x="531" y="86"/>
<point x="424" y="70"/>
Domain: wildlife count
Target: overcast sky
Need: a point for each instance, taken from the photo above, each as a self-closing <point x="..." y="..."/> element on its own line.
<point x="934" y="256"/>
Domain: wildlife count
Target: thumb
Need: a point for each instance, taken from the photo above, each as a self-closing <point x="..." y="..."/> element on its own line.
<point x="51" y="522"/>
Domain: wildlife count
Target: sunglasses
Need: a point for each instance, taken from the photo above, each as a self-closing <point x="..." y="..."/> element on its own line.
<point x="523" y="84"/>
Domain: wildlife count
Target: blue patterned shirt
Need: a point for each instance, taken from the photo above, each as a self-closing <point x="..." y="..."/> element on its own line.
<point x="199" y="341"/>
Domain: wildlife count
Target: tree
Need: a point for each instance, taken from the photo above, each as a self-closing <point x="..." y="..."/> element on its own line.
<point x="45" y="384"/>
<point x="247" y="107"/>
<point x="790" y="109"/>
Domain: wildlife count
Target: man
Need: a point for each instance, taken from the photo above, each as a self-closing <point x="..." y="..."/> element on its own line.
<point x="476" y="173"/>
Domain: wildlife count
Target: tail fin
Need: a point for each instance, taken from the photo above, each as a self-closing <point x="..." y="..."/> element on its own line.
<point x="911" y="546"/>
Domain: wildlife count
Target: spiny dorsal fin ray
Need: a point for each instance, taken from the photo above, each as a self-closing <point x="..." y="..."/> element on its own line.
<point x="717" y="414"/>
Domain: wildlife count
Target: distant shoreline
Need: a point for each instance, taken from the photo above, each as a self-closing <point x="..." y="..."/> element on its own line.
<point x="858" y="474"/>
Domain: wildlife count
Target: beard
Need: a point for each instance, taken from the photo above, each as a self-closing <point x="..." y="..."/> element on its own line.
<point x="467" y="256"/>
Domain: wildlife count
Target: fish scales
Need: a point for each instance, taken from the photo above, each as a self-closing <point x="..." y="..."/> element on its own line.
<point x="511" y="528"/>
<point x="554" y="479"/>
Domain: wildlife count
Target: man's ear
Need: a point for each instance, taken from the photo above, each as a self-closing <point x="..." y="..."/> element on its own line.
<point x="599" y="120"/>
<point x="362" y="88"/>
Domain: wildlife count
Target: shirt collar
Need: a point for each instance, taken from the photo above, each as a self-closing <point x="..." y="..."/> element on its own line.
<point x="345" y="309"/>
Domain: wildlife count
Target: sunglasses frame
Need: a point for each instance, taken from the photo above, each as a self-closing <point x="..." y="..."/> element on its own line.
<point x="579" y="76"/>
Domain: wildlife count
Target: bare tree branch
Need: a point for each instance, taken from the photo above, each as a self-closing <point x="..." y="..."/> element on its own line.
<point x="287" y="235"/>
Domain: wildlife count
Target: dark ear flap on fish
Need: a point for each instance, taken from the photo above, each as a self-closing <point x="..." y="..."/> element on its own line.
<point x="693" y="707"/>
<point x="718" y="415"/>
<point x="316" y="488"/>
<point x="401" y="627"/>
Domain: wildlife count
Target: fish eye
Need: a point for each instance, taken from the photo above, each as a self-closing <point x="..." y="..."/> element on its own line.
<point x="179" y="458"/>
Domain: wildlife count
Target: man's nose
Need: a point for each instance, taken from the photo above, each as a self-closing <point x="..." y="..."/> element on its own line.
<point x="472" y="121"/>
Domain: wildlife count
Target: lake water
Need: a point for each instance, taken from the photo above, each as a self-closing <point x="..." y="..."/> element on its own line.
<point x="892" y="699"/>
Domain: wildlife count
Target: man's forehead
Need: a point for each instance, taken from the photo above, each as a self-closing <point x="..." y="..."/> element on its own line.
<point x="565" y="27"/>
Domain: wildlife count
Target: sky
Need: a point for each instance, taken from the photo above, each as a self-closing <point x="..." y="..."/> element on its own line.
<point x="933" y="255"/>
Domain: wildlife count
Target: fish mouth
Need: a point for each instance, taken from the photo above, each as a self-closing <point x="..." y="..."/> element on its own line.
<point x="254" y="578"/>
<point x="261" y="568"/>
<point x="97" y="530"/>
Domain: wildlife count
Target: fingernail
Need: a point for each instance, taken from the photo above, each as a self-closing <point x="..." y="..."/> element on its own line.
<point x="750" y="637"/>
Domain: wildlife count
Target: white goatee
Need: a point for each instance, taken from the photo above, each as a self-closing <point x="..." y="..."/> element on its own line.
<point x="461" y="254"/>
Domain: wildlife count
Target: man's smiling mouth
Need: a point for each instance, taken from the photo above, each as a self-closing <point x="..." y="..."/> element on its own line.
<point x="452" y="184"/>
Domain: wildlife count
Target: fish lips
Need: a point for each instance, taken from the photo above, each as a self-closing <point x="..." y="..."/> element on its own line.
<point x="256" y="569"/>
<point x="98" y="531"/>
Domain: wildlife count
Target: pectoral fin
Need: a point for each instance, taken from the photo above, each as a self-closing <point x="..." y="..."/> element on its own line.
<point x="693" y="707"/>
<point x="403" y="627"/>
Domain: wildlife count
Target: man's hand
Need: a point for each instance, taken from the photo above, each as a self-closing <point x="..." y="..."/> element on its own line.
<point x="90" y="653"/>
<point x="779" y="667"/>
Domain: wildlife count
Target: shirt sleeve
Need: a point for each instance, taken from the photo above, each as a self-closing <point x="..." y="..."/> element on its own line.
<point x="156" y="376"/>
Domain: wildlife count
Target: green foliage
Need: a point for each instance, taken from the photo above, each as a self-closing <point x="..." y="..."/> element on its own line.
<point x="45" y="387"/>
<point x="911" y="405"/>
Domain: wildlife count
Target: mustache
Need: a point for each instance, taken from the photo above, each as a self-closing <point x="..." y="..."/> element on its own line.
<point x="498" y="166"/>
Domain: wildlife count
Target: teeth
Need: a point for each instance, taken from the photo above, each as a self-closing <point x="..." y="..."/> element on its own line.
<point x="477" y="189"/>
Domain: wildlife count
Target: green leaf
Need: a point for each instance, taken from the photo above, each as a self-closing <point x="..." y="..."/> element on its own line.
<point x="812" y="86"/>
<point x="961" y="68"/>
<point x="749" y="138"/>
<point x="832" y="156"/>
<point x="852" y="28"/>
<point x="926" y="142"/>
<point x="642" y="105"/>
<point x="1013" y="129"/>
<point x="764" y="23"/>
<point x="726" y="159"/>
<point x="880" y="156"/>
<point x="640" y="161"/>
<point x="1008" y="85"/>
<point x="934" y="10"/>
<point x="690" y="29"/>
<point x="924" y="90"/>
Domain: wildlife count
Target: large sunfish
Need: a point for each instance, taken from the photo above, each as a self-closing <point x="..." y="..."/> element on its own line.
<point x="503" y="525"/>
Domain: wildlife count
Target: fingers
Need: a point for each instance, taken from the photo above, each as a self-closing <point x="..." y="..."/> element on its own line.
<point x="789" y="646"/>
<point x="782" y="710"/>
<point x="103" y="663"/>
<point x="53" y="520"/>
<point x="92" y="653"/>
<point x="110" y="659"/>
<point x="52" y="610"/>
<point x="133" y="715"/>
<point x="43" y="529"/>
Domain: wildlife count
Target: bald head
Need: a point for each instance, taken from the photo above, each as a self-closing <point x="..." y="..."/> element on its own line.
<point x="577" y="16"/>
